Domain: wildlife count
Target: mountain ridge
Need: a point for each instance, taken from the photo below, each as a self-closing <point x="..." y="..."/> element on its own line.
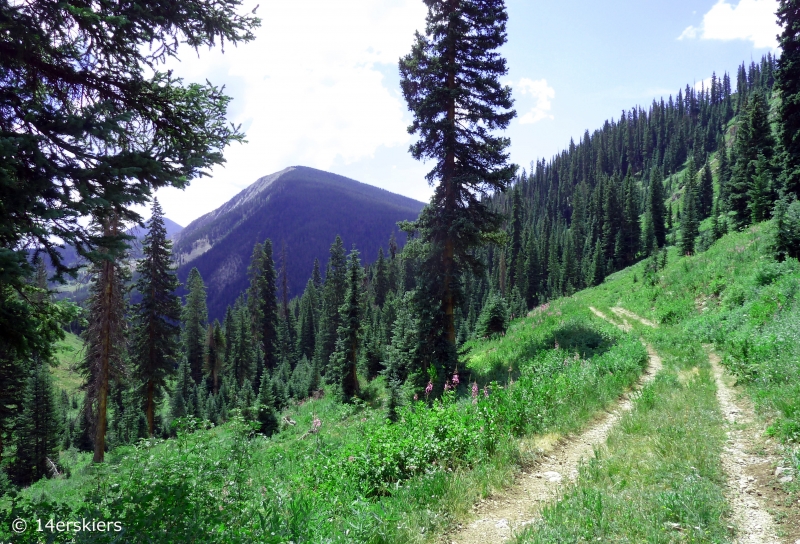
<point x="299" y="207"/>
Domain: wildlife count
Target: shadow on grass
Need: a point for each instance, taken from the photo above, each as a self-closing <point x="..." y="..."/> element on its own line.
<point x="584" y="340"/>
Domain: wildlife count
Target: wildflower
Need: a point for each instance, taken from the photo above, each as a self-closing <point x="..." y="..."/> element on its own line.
<point x="556" y="344"/>
<point x="447" y="386"/>
<point x="428" y="389"/>
<point x="456" y="381"/>
<point x="474" y="392"/>
<point x="316" y="424"/>
<point x="416" y="397"/>
<point x="486" y="391"/>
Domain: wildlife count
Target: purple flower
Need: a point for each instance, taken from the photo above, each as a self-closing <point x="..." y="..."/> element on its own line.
<point x="456" y="381"/>
<point x="315" y="424"/>
<point x="447" y="386"/>
<point x="474" y="392"/>
<point x="428" y="389"/>
<point x="416" y="397"/>
<point x="486" y="391"/>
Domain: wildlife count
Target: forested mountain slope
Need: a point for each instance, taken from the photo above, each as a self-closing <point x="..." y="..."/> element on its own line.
<point x="299" y="208"/>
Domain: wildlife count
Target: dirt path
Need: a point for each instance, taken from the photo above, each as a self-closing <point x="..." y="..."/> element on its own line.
<point x="749" y="488"/>
<point x="497" y="518"/>
<point x="620" y="312"/>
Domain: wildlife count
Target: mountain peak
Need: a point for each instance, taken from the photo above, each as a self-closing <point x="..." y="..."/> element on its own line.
<point x="300" y="207"/>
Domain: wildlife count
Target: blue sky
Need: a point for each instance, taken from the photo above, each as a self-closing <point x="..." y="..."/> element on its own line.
<point x="319" y="85"/>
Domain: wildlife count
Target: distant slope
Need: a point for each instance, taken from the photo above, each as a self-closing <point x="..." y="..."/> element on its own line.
<point x="300" y="207"/>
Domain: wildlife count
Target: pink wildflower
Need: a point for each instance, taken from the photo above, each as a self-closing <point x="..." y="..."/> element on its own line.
<point x="456" y="381"/>
<point x="474" y="392"/>
<point x="416" y="397"/>
<point x="316" y="424"/>
<point x="428" y="389"/>
<point x="486" y="391"/>
<point x="447" y="386"/>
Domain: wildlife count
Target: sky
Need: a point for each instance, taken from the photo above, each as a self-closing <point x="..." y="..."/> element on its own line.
<point x="319" y="86"/>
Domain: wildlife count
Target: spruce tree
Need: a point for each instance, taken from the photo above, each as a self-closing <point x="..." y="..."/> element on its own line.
<point x="156" y="327"/>
<point x="263" y="304"/>
<point x="308" y="328"/>
<point x="214" y="356"/>
<point x="450" y="81"/>
<point x="195" y="323"/>
<point x="381" y="279"/>
<point x="656" y="207"/>
<point x="753" y="137"/>
<point x="345" y="357"/>
<point x="38" y="432"/>
<point x="689" y="220"/>
<point x="759" y="196"/>
<point x="787" y="83"/>
<point x="105" y="335"/>
<point x="705" y="192"/>
<point x="332" y="298"/>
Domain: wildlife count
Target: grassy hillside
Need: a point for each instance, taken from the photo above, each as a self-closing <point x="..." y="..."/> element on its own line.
<point x="69" y="352"/>
<point x="344" y="474"/>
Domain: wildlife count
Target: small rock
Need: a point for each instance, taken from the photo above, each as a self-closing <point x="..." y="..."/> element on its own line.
<point x="781" y="470"/>
<point x="502" y="524"/>
<point x="785" y="479"/>
<point x="552" y="476"/>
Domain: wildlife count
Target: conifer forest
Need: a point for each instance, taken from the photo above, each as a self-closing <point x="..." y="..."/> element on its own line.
<point x="637" y="295"/>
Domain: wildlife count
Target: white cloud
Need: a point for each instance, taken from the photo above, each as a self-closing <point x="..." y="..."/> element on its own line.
<point x="542" y="93"/>
<point x="309" y="90"/>
<point x="752" y="20"/>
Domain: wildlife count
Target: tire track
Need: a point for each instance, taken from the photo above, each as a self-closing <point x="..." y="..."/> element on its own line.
<point x="499" y="517"/>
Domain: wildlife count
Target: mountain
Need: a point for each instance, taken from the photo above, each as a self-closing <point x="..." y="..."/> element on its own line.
<point x="299" y="208"/>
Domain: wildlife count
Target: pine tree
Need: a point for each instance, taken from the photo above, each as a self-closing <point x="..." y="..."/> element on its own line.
<point x="156" y="327"/>
<point x="214" y="357"/>
<point x="705" y="192"/>
<point x="656" y="207"/>
<point x="760" y="199"/>
<point x="787" y="83"/>
<point x="494" y="317"/>
<point x="105" y="334"/>
<point x="180" y="402"/>
<point x="689" y="221"/>
<point x="332" y="297"/>
<point x="263" y="304"/>
<point x="38" y="432"/>
<point x="787" y="228"/>
<point x="308" y="328"/>
<point x="450" y="81"/>
<point x="381" y="279"/>
<point x="195" y="323"/>
<point x="345" y="358"/>
<point x="753" y="137"/>
<point x="266" y="409"/>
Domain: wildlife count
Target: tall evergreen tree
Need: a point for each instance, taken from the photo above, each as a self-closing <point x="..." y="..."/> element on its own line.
<point x="156" y="327"/>
<point x="105" y="335"/>
<point x="705" y="192"/>
<point x="214" y="357"/>
<point x="787" y="82"/>
<point x="345" y="358"/>
<point x="195" y="323"/>
<point x="450" y="81"/>
<point x="332" y="299"/>
<point x="38" y="432"/>
<point x="689" y="219"/>
<point x="262" y="302"/>
<point x="656" y="207"/>
<point x="381" y="279"/>
<point x="753" y="137"/>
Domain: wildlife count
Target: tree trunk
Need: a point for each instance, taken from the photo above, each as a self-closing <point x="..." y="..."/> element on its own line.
<point x="150" y="408"/>
<point x="448" y="260"/>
